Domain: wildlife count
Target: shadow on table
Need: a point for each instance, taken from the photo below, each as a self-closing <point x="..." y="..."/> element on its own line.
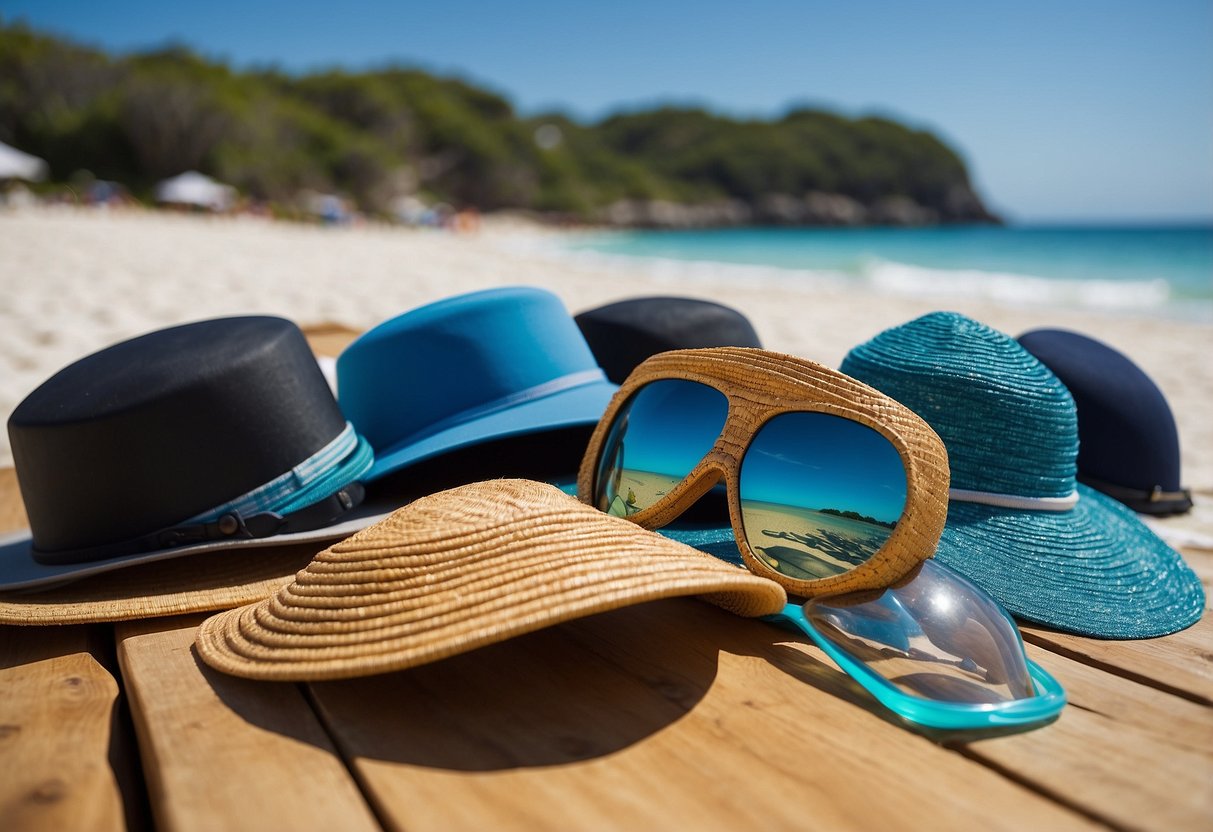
<point x="574" y="692"/>
<point x="578" y="691"/>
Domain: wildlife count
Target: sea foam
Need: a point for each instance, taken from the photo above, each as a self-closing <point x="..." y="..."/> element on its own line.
<point x="1016" y="289"/>
<point x="893" y="278"/>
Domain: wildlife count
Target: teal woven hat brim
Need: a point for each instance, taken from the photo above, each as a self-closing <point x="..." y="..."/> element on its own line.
<point x="1011" y="428"/>
<point x="1092" y="570"/>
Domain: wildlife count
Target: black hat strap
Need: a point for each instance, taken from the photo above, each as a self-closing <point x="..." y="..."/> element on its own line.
<point x="1152" y="501"/>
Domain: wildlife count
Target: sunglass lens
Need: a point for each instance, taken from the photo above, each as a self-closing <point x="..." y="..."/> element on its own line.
<point x="658" y="436"/>
<point x="820" y="494"/>
<point x="936" y="636"/>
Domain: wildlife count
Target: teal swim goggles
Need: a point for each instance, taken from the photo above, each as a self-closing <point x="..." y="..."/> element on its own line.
<point x="934" y="648"/>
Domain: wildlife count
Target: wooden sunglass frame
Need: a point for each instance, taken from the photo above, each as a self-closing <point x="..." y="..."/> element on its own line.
<point x="759" y="385"/>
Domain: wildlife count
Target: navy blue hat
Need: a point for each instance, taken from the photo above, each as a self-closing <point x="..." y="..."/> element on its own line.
<point x="1128" y="444"/>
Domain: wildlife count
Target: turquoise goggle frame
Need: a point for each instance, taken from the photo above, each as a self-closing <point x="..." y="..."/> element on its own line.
<point x="1049" y="700"/>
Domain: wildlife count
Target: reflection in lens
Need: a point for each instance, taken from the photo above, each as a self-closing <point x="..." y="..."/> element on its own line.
<point x="658" y="436"/>
<point x="820" y="494"/>
<point x="937" y="636"/>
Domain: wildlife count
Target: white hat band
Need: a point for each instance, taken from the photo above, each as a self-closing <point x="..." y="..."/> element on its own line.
<point x="989" y="498"/>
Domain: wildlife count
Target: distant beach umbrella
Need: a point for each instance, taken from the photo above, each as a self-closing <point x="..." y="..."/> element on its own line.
<point x="14" y="164"/>
<point x="193" y="188"/>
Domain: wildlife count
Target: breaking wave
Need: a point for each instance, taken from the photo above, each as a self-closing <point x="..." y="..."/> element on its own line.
<point x="1155" y="297"/>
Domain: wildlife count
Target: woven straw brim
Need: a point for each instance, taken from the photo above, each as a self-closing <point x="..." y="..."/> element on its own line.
<point x="458" y="570"/>
<point x="209" y="582"/>
<point x="1095" y="570"/>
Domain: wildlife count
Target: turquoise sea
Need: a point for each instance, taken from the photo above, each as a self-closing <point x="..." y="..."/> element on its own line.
<point x="1166" y="271"/>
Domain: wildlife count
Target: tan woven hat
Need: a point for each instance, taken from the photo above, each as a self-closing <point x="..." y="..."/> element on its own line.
<point x="461" y="569"/>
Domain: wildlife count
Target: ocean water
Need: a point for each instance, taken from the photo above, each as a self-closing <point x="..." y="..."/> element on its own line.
<point x="1166" y="271"/>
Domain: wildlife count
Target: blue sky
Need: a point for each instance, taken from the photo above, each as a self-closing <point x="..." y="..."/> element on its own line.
<point x="1070" y="111"/>
<point x="818" y="461"/>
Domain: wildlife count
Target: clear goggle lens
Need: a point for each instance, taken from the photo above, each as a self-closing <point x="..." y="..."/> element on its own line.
<point x="936" y="636"/>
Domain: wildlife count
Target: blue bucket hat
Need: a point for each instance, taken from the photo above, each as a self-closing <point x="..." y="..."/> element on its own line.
<point x="1051" y="550"/>
<point x="466" y="370"/>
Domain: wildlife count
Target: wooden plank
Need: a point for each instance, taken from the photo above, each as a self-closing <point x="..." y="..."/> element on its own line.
<point x="226" y="753"/>
<point x="56" y="713"/>
<point x="672" y="713"/>
<point x="12" y="508"/>
<point x="1158" y="714"/>
<point x="1124" y="753"/>
<point x="329" y="339"/>
<point x="1181" y="663"/>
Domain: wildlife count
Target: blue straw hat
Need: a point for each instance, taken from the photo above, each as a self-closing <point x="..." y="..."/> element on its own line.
<point x="469" y="369"/>
<point x="1049" y="549"/>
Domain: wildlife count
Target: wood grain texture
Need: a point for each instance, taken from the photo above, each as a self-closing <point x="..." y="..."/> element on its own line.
<point x="224" y="753"/>
<point x="12" y="508"/>
<point x="1125" y="753"/>
<point x="1181" y="663"/>
<point x="670" y="714"/>
<point x="56" y="713"/>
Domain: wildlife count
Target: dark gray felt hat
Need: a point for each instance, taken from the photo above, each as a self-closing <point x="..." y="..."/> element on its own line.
<point x="206" y="436"/>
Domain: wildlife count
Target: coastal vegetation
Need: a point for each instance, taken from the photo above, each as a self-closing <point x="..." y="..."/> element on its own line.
<point x="394" y="135"/>
<point x="855" y="515"/>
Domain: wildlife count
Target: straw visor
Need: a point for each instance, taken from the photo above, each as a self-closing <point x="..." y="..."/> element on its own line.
<point x="1050" y="550"/>
<point x="458" y="570"/>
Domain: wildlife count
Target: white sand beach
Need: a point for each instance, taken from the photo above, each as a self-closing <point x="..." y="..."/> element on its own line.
<point x="74" y="280"/>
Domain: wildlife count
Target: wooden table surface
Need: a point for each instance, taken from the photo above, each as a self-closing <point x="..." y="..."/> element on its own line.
<point x="672" y="714"/>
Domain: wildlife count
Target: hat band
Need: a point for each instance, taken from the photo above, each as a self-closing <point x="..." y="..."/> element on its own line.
<point x="319" y="475"/>
<point x="312" y="494"/>
<point x="1151" y="501"/>
<point x="989" y="498"/>
<point x="530" y="394"/>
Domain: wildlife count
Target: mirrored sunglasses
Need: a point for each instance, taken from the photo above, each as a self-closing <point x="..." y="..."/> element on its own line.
<point x="831" y="485"/>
